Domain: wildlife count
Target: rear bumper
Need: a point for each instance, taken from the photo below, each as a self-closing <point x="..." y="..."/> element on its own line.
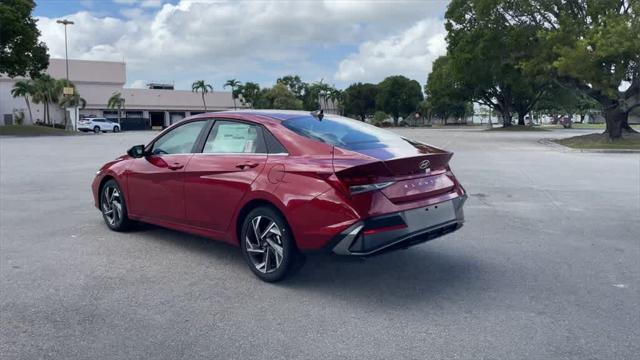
<point x="400" y="230"/>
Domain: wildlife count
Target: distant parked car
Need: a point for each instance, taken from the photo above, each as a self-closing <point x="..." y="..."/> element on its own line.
<point x="98" y="125"/>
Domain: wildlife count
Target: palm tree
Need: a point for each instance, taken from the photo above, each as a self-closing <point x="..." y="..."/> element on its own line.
<point x="59" y="91"/>
<point x="46" y="91"/>
<point x="201" y="87"/>
<point x="233" y="83"/>
<point x="334" y="96"/>
<point x="72" y="101"/>
<point x="116" y="101"/>
<point x="24" y="88"/>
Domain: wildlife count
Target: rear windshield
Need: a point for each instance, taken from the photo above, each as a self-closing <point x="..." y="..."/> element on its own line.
<point x="345" y="133"/>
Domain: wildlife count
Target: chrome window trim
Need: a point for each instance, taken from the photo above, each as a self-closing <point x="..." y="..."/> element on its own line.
<point x="241" y="153"/>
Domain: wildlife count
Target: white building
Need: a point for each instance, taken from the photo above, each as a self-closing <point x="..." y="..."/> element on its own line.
<point x="97" y="81"/>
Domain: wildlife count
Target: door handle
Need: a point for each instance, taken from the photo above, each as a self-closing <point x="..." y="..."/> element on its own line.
<point x="175" y="166"/>
<point x="248" y="164"/>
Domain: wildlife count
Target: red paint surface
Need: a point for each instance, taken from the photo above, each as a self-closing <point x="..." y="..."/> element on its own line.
<point x="205" y="194"/>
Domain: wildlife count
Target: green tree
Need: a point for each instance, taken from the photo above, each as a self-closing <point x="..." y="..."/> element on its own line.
<point x="593" y="46"/>
<point x="202" y="87"/>
<point x="250" y="94"/>
<point x="398" y="96"/>
<point x="280" y="97"/>
<point x="379" y="117"/>
<point x="72" y="101"/>
<point x="233" y="84"/>
<point x="116" y="101"/>
<point x="24" y="88"/>
<point x="562" y="100"/>
<point x="486" y="49"/>
<point x="21" y="53"/>
<point x="59" y="86"/>
<point x="360" y="99"/>
<point x="295" y="85"/>
<point x="46" y="90"/>
<point x="445" y="96"/>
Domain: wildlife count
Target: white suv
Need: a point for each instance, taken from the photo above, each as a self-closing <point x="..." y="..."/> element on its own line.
<point x="97" y="125"/>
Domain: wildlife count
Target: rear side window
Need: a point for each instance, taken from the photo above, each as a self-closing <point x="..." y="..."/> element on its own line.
<point x="229" y="137"/>
<point x="273" y="145"/>
<point x="344" y="133"/>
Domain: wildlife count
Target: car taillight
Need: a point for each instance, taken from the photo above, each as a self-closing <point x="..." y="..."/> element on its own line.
<point x="359" y="189"/>
<point x="357" y="185"/>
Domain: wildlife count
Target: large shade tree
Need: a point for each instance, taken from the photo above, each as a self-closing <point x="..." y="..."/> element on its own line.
<point x="445" y="95"/>
<point x="250" y="94"/>
<point x="360" y="99"/>
<point x="280" y="97"/>
<point x="21" y="54"/>
<point x="486" y="49"/>
<point x="398" y="96"/>
<point x="593" y="46"/>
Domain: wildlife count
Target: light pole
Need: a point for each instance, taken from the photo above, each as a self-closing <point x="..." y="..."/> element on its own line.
<point x="66" y="22"/>
<point x="67" y="91"/>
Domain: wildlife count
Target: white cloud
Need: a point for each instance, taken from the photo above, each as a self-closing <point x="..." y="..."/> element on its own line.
<point x="409" y="53"/>
<point x="125" y="2"/>
<point x="151" y="3"/>
<point x="138" y="84"/>
<point x="223" y="39"/>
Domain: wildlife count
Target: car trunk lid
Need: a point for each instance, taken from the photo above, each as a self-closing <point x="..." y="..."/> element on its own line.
<point x="407" y="175"/>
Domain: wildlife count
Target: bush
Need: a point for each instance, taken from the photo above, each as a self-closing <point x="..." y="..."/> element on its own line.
<point x="19" y="117"/>
<point x="379" y="118"/>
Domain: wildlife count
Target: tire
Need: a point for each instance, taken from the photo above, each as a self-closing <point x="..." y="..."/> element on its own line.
<point x="272" y="254"/>
<point x="116" y="129"/>
<point x="96" y="129"/>
<point x="113" y="207"/>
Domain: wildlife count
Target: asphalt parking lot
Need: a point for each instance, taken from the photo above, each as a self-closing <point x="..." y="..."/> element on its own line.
<point x="547" y="267"/>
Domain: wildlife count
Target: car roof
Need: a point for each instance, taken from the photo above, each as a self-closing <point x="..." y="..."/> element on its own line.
<point x="273" y="113"/>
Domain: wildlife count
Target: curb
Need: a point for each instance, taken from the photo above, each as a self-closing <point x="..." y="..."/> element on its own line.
<point x="560" y="147"/>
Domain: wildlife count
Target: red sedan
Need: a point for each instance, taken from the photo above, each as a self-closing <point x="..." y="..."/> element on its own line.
<point x="281" y="183"/>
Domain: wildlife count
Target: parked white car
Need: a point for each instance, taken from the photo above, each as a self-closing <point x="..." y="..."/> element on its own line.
<point x="97" y="125"/>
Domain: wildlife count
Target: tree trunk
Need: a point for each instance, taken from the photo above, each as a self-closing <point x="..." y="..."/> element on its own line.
<point x="506" y="119"/>
<point x="521" y="119"/>
<point x="582" y="116"/>
<point x="204" y="103"/>
<point x="29" y="108"/>
<point x="615" y="120"/>
<point x="66" y="116"/>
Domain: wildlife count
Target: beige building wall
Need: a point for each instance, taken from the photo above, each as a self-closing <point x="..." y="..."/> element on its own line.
<point x="97" y="81"/>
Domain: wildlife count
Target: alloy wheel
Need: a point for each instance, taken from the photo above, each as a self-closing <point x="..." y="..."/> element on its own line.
<point x="112" y="205"/>
<point x="264" y="244"/>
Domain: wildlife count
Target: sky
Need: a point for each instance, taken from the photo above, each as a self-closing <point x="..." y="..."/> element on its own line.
<point x="180" y="41"/>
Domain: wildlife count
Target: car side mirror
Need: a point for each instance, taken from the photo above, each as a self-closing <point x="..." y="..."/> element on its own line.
<point x="136" y="151"/>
